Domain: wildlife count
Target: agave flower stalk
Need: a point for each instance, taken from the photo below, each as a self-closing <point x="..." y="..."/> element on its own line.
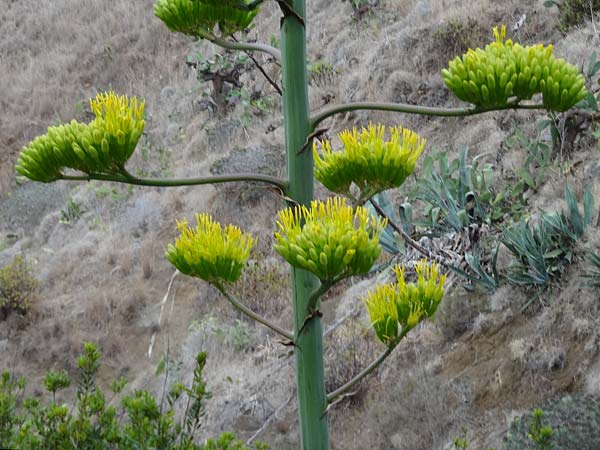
<point x="101" y="147"/>
<point x="330" y="239"/>
<point x="210" y="252"/>
<point x="368" y="160"/>
<point x="503" y="70"/>
<point x="195" y="17"/>
<point x="218" y="255"/>
<point x="396" y="308"/>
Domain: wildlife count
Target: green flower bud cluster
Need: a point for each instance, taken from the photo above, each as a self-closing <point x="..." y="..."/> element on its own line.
<point x="210" y="252"/>
<point x="396" y="308"/>
<point x="102" y="146"/>
<point x="368" y="160"/>
<point x="330" y="239"/>
<point x="193" y="17"/>
<point x="504" y="70"/>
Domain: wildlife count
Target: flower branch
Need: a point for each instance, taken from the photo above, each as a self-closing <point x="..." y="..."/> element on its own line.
<point x="319" y="117"/>
<point x="174" y="182"/>
<point x="248" y="312"/>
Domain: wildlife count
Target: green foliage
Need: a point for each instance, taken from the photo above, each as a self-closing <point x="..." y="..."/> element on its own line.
<point x="574" y="12"/>
<point x="17" y="287"/>
<point x="253" y="104"/>
<point x="566" y="423"/>
<point x="455" y="37"/>
<point x="72" y="212"/>
<point x="239" y="336"/>
<point x="321" y="73"/>
<point x="543" y="248"/>
<point x="461" y="442"/>
<point x="141" y="422"/>
<point x="457" y="194"/>
<point x="592" y="274"/>
<point x="532" y="173"/>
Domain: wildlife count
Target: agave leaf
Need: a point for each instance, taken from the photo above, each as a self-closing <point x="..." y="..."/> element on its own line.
<point x="574" y="213"/>
<point x="406" y="216"/>
<point x="588" y="207"/>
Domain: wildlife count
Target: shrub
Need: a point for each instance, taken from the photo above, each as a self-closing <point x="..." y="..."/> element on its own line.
<point x="142" y="421"/>
<point x="574" y="422"/>
<point x="17" y="286"/>
<point x="575" y="12"/>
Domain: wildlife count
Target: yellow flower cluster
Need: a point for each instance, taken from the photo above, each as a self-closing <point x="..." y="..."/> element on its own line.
<point x="102" y="146"/>
<point x="504" y="70"/>
<point x="210" y="252"/>
<point x="329" y="239"/>
<point x="192" y="17"/>
<point x="395" y="308"/>
<point x="368" y="160"/>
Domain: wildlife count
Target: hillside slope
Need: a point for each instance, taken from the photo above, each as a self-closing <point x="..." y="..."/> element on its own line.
<point x="102" y="268"/>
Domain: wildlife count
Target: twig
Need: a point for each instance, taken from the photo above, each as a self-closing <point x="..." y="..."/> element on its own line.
<point x="260" y="68"/>
<point x="162" y="307"/>
<point x="270" y="419"/>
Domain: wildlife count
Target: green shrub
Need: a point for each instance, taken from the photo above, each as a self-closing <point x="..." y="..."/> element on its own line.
<point x="141" y="421"/>
<point x="17" y="286"/>
<point x="573" y="421"/>
<point x="575" y="12"/>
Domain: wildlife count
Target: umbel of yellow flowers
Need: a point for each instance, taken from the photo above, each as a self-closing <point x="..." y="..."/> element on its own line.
<point x="194" y="17"/>
<point x="490" y="77"/>
<point x="330" y="239"/>
<point x="103" y="146"/>
<point x="210" y="252"/>
<point x="396" y="308"/>
<point x="369" y="161"/>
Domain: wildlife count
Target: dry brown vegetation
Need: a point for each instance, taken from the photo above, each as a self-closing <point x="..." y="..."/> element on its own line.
<point x="103" y="276"/>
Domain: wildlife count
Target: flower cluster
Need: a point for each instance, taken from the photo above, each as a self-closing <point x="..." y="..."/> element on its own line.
<point x="194" y="17"/>
<point x="329" y="239"/>
<point x="210" y="252"/>
<point x="102" y="146"/>
<point x="396" y="308"/>
<point x="504" y="70"/>
<point x="368" y="160"/>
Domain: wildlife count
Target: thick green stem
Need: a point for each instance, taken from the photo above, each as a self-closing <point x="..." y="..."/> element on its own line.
<point x="411" y="109"/>
<point x="312" y="399"/>
<point x="248" y="312"/>
<point x="118" y="178"/>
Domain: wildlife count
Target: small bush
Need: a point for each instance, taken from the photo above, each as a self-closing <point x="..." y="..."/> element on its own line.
<point x="17" y="286"/>
<point x="575" y="12"/>
<point x="141" y="421"/>
<point x="574" y="422"/>
<point x="455" y="37"/>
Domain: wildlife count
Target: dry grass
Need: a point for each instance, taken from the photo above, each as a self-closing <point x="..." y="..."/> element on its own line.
<point x="57" y="54"/>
